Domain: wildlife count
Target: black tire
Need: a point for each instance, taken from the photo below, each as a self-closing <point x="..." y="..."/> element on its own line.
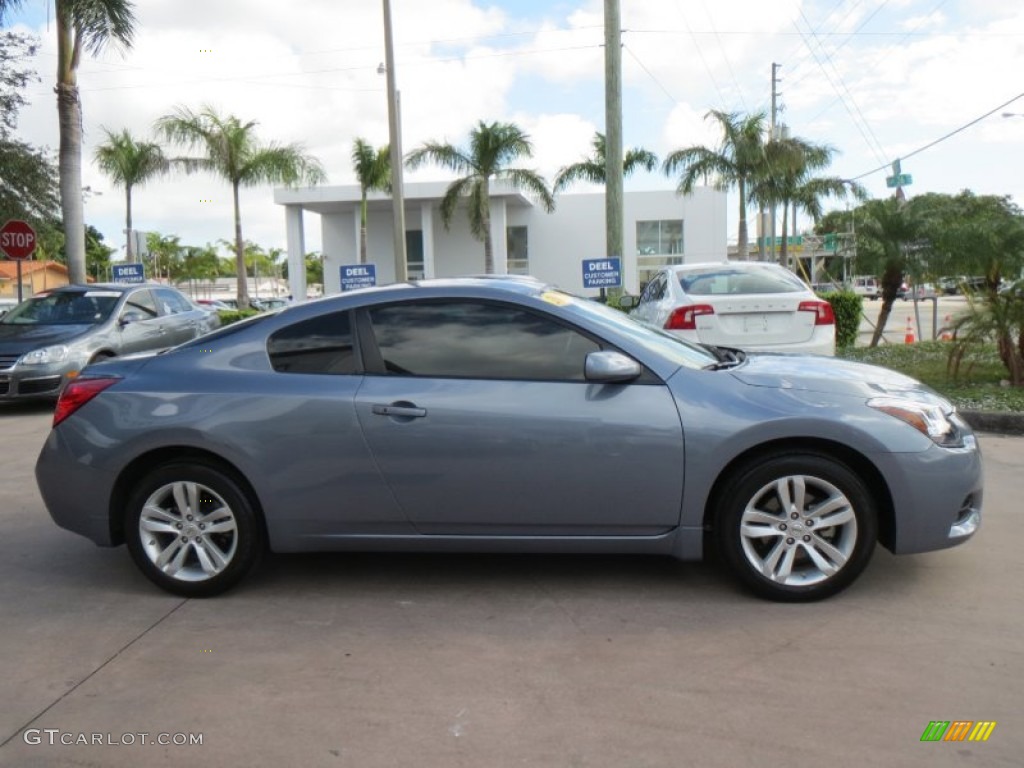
<point x="791" y="556"/>
<point x="189" y="554"/>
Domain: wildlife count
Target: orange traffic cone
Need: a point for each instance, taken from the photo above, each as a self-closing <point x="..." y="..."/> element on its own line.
<point x="908" y="338"/>
<point x="946" y="334"/>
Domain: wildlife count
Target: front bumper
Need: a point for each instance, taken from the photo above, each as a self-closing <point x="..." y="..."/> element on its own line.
<point x="937" y="497"/>
<point x="21" y="387"/>
<point x="25" y="382"/>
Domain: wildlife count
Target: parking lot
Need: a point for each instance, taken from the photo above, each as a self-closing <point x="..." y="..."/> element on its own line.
<point x="393" y="660"/>
<point x="927" y="323"/>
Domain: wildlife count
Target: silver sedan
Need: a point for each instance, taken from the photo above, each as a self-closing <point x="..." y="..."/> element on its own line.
<point x="502" y="415"/>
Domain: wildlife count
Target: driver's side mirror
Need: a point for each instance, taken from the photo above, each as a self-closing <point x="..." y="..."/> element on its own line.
<point x="131" y="316"/>
<point x="610" y="367"/>
<point x="629" y="302"/>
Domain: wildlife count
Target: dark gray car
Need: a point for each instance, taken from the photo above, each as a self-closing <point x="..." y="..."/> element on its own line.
<point x="49" y="339"/>
<point x="501" y="415"/>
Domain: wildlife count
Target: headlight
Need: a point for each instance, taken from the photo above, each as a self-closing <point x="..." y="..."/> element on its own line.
<point x="927" y="418"/>
<point x="46" y="355"/>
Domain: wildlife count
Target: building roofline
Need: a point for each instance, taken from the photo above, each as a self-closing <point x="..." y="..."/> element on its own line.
<point x="336" y="199"/>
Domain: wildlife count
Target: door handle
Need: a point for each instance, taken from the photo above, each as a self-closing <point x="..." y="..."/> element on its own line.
<point x="400" y="409"/>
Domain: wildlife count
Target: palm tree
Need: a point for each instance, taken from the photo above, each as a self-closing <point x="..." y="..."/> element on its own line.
<point x="233" y="152"/>
<point x="736" y="162"/>
<point x="886" y="230"/>
<point x="88" y="25"/>
<point x="373" y="169"/>
<point x="592" y="168"/>
<point x="129" y="163"/>
<point x="492" y="147"/>
<point x="787" y="180"/>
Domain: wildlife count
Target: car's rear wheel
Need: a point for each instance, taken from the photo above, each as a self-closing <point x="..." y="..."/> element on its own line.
<point x="192" y="530"/>
<point x="797" y="527"/>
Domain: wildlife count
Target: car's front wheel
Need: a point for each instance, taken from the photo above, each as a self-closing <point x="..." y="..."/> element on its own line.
<point x="797" y="527"/>
<point x="192" y="529"/>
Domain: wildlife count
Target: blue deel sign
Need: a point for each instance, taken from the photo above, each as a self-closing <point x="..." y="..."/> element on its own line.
<point x="128" y="273"/>
<point x="358" y="276"/>
<point x="602" y="273"/>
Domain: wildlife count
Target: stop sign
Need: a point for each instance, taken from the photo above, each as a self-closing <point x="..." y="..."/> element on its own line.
<point x="17" y="239"/>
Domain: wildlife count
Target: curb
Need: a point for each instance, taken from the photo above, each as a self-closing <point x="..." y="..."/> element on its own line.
<point x="1000" y="422"/>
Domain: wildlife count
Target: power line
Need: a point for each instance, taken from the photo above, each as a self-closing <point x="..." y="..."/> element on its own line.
<point x="334" y="70"/>
<point x="875" y="147"/>
<point x="725" y="55"/>
<point x="885" y="54"/>
<point x="941" y="139"/>
<point x="850" y="36"/>
<point x="650" y="74"/>
<point x="700" y="52"/>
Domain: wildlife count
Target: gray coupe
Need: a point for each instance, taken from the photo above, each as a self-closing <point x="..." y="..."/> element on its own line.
<point x="492" y="415"/>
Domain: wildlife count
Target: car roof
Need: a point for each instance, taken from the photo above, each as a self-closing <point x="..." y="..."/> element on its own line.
<point x="119" y="287"/>
<point x="519" y="284"/>
<point x="702" y="265"/>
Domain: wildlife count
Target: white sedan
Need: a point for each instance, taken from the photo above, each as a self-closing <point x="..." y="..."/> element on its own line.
<point x="746" y="305"/>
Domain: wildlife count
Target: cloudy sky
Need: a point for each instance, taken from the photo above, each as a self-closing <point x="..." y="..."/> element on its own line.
<point x="877" y="79"/>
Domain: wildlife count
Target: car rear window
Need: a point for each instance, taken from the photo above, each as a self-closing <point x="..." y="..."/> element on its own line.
<point x="716" y="281"/>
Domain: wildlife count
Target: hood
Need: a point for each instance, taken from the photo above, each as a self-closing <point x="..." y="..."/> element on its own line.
<point x="17" y="339"/>
<point x="811" y="373"/>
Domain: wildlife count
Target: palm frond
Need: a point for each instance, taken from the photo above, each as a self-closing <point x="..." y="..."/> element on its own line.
<point x="444" y="155"/>
<point x="128" y="161"/>
<point x="637" y="157"/>
<point x="530" y="182"/>
<point x="450" y="202"/>
<point x="99" y="22"/>
<point x="585" y="170"/>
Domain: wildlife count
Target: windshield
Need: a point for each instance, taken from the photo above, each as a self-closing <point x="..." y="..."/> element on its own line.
<point x="64" y="308"/>
<point x="715" y="281"/>
<point x="654" y="339"/>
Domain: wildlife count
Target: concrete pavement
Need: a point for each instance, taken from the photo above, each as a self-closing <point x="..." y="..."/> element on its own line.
<point x="387" y="660"/>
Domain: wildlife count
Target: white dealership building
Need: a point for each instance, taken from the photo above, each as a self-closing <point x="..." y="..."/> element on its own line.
<point x="660" y="228"/>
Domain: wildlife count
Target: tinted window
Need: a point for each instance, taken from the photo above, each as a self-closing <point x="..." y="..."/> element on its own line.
<point x="658" y="286"/>
<point x="318" y="345"/>
<point x="715" y="281"/>
<point x="478" y="341"/>
<point x="143" y="302"/>
<point x="64" y="308"/>
<point x="172" y="302"/>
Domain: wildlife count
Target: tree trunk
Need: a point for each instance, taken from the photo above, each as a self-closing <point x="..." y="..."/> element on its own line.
<point x="488" y="243"/>
<point x="761" y="250"/>
<point x="129" y="249"/>
<point x="883" y="318"/>
<point x="891" y="280"/>
<point x="69" y="116"/>
<point x="70" y="165"/>
<point x="784" y="251"/>
<point x="488" y="248"/>
<point x="243" y="285"/>
<point x="742" y="238"/>
<point x="362" y="229"/>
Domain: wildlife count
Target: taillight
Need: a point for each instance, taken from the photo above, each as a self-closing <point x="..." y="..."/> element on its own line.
<point x="822" y="310"/>
<point x="78" y="392"/>
<point x="685" y="318"/>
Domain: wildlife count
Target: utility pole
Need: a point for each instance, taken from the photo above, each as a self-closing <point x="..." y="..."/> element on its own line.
<point x="395" y="139"/>
<point x="772" y="137"/>
<point x="614" y="214"/>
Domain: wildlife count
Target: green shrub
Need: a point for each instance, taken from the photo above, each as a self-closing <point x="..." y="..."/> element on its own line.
<point x="847" y="306"/>
<point x="229" y="316"/>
